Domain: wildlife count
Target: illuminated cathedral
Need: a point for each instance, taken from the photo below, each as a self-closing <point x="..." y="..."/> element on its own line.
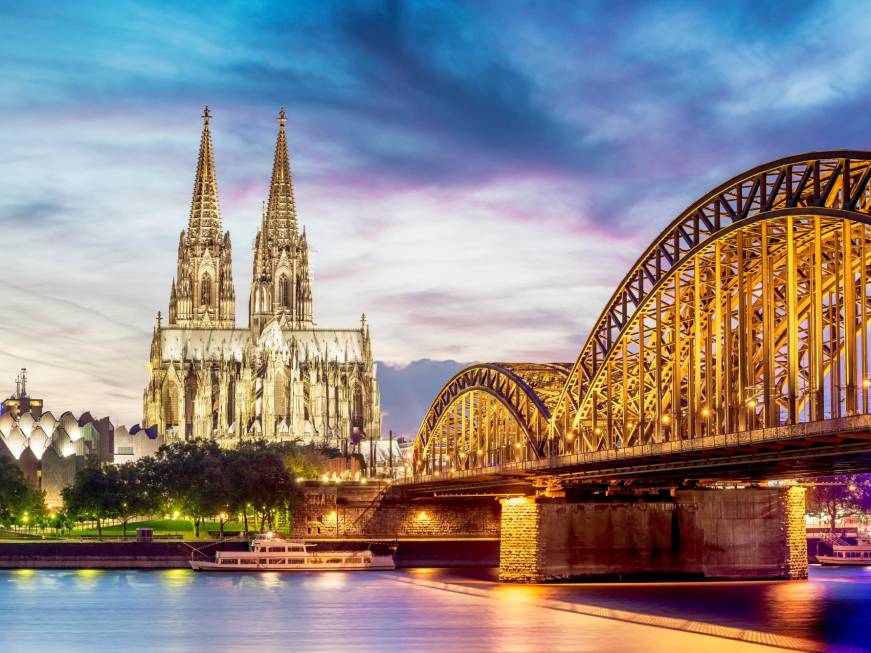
<point x="282" y="377"/>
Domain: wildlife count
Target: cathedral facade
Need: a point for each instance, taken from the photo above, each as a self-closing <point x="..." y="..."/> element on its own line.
<point x="282" y="377"/>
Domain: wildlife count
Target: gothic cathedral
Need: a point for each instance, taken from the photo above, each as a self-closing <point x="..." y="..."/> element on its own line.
<point x="282" y="378"/>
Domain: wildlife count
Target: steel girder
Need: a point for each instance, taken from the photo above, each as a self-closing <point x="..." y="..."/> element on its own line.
<point x="488" y="415"/>
<point x="750" y="311"/>
<point x="815" y="183"/>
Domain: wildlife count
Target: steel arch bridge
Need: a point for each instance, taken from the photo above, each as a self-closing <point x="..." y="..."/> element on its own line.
<point x="743" y="328"/>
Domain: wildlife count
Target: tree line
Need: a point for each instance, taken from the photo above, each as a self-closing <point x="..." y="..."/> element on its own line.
<point x="197" y="479"/>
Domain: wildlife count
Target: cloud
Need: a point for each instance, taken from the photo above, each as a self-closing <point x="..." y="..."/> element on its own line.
<point x="476" y="178"/>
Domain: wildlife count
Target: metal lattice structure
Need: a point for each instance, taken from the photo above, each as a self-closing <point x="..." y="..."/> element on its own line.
<point x="750" y="311"/>
<point x="490" y="415"/>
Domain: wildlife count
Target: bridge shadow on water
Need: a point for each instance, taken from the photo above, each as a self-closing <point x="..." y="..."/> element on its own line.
<point x="831" y="607"/>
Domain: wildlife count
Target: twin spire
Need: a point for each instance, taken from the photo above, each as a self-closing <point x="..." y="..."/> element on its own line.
<point x="281" y="208"/>
<point x="202" y="293"/>
<point x="204" y="225"/>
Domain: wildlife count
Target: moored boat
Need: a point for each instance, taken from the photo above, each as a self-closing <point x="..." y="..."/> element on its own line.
<point x="270" y="553"/>
<point x="848" y="554"/>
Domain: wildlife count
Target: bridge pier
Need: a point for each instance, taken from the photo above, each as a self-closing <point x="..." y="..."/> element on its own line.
<point x="742" y="534"/>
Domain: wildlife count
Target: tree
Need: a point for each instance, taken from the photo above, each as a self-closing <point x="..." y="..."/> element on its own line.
<point x="17" y="495"/>
<point x="839" y="497"/>
<point x="192" y="476"/>
<point x="129" y="492"/>
<point x="90" y="495"/>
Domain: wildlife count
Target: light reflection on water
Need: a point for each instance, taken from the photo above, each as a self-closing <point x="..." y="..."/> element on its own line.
<point x="179" y="610"/>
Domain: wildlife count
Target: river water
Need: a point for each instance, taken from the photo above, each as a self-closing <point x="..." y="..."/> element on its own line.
<point x="413" y="610"/>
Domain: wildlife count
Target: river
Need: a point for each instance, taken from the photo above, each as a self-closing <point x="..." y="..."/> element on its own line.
<point x="420" y="611"/>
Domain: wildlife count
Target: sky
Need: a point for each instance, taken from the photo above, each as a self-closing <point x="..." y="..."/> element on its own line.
<point x="477" y="177"/>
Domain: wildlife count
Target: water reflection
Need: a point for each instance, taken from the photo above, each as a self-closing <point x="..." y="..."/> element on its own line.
<point x="88" y="579"/>
<point x="183" y="611"/>
<point x="177" y="578"/>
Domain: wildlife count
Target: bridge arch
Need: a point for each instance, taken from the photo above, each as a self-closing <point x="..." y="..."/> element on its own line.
<point x="488" y="415"/>
<point x="749" y="311"/>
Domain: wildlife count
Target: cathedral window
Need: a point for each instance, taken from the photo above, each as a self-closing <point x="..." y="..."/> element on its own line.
<point x="206" y="290"/>
<point x="284" y="291"/>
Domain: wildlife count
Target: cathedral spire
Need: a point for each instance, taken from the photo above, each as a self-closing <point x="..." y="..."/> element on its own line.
<point x="281" y="209"/>
<point x="204" y="225"/>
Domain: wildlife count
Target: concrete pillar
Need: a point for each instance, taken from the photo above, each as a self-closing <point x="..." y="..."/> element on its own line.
<point x="754" y="533"/>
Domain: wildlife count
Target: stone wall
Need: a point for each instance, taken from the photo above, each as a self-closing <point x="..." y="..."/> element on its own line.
<point x="519" y="552"/>
<point x="356" y="510"/>
<point x="729" y="534"/>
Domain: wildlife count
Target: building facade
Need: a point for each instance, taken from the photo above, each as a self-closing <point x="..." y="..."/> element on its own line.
<point x="281" y="377"/>
<point x="50" y="450"/>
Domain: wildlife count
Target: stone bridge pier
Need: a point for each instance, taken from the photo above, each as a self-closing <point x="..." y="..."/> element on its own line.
<point x="740" y="534"/>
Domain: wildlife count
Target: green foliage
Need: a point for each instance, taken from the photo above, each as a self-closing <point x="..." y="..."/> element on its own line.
<point x="20" y="502"/>
<point x="196" y="479"/>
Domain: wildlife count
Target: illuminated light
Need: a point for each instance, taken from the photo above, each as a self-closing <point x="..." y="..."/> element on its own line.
<point x="363" y="481"/>
<point x="480" y="452"/>
<point x="866" y="383"/>
<point x="332" y="515"/>
<point x="223" y="516"/>
<point x="516" y="501"/>
<point x="706" y="412"/>
<point x="597" y="431"/>
<point x="437" y="472"/>
<point x="421" y="516"/>
<point x="752" y="403"/>
<point x="269" y="534"/>
<point x="666" y="419"/>
<point x="325" y="478"/>
<point x="570" y="437"/>
<point x="518" y="445"/>
<point x="175" y="514"/>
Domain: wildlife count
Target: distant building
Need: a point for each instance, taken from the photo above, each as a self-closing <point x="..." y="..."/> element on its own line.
<point x="278" y="378"/>
<point x="50" y="450"/>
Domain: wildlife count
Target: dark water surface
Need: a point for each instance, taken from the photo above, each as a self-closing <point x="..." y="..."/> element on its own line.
<point x="178" y="610"/>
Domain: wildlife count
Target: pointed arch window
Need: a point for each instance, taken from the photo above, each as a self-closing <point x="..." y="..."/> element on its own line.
<point x="206" y="290"/>
<point x="284" y="291"/>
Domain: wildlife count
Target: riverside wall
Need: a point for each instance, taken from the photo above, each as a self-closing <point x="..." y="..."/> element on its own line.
<point x="176" y="555"/>
<point x="374" y="511"/>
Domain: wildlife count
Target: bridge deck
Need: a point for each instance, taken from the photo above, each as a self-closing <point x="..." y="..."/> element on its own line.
<point x="832" y="446"/>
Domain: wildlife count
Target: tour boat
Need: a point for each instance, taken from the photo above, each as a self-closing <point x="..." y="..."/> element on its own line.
<point x="270" y="553"/>
<point x="848" y="554"/>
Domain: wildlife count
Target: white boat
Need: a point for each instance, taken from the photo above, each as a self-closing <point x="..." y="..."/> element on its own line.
<point x="270" y="553"/>
<point x="848" y="554"/>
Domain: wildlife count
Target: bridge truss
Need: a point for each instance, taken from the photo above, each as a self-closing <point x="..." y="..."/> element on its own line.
<point x="750" y="312"/>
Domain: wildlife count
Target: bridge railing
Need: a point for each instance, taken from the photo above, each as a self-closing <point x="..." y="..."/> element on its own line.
<point x="853" y="423"/>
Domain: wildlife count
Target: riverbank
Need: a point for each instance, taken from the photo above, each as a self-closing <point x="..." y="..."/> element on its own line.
<point x="177" y="554"/>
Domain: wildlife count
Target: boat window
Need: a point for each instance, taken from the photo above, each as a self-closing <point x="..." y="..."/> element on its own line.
<point x="295" y="561"/>
<point x="276" y="561"/>
<point x="352" y="560"/>
<point x="315" y="561"/>
<point x="228" y="561"/>
<point x="276" y="549"/>
<point x="334" y="561"/>
<point x="248" y="561"/>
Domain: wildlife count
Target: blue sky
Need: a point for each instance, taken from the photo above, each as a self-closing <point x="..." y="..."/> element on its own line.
<point x="477" y="177"/>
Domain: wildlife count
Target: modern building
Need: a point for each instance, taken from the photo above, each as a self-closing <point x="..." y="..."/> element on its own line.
<point x="281" y="377"/>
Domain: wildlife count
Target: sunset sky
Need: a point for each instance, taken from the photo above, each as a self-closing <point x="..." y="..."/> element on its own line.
<point x="476" y="177"/>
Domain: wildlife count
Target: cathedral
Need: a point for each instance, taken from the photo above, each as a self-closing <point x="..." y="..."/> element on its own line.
<point x="280" y="378"/>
